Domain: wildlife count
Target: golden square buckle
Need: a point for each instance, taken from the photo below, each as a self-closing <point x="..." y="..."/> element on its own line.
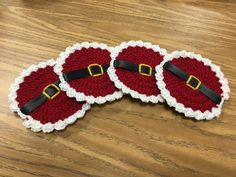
<point x="140" y="69"/>
<point x="54" y="86"/>
<point x="98" y="74"/>
<point x="189" y="79"/>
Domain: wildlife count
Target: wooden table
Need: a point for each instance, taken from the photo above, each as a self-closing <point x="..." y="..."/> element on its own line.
<point x="127" y="137"/>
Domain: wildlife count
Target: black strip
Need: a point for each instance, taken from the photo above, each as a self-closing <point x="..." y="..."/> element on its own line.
<point x="131" y="67"/>
<point x="82" y="73"/>
<point x="39" y="100"/>
<point x="202" y="88"/>
<point x="210" y="94"/>
<point x="177" y="71"/>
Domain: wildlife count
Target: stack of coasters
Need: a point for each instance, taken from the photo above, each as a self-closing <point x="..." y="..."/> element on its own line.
<point x="36" y="97"/>
<point x="133" y="69"/>
<point x="192" y="85"/>
<point x="82" y="70"/>
<point x="53" y="94"/>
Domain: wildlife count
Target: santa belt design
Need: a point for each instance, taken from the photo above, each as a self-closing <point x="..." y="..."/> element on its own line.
<point x="143" y="69"/>
<point x="193" y="82"/>
<point x="93" y="70"/>
<point x="48" y="93"/>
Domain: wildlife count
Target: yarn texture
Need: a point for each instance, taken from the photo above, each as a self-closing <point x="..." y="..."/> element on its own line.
<point x="183" y="98"/>
<point x="91" y="89"/>
<point x="76" y="95"/>
<point x="133" y="83"/>
<point x="53" y="114"/>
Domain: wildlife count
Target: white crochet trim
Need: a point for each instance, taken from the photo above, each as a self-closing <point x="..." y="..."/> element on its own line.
<point x="179" y="107"/>
<point x="119" y="84"/>
<point x="71" y="92"/>
<point x="30" y="122"/>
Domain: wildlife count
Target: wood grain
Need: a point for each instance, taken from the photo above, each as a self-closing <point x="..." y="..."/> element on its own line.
<point x="125" y="138"/>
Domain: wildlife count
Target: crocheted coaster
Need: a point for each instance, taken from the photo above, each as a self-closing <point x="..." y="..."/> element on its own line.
<point x="132" y="69"/>
<point x="82" y="71"/>
<point x="54" y="111"/>
<point x="192" y="85"/>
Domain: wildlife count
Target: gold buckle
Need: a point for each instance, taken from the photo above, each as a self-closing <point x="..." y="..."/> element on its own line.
<point x="98" y="74"/>
<point x="189" y="79"/>
<point x="48" y="96"/>
<point x="140" y="69"/>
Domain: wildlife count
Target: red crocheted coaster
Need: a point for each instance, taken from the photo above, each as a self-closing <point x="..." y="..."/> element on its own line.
<point x="54" y="113"/>
<point x="141" y="55"/>
<point x="189" y="96"/>
<point x="85" y="58"/>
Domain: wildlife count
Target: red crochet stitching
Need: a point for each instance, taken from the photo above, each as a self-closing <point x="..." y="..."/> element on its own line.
<point x="95" y="86"/>
<point x="53" y="110"/>
<point x="184" y="94"/>
<point x="135" y="81"/>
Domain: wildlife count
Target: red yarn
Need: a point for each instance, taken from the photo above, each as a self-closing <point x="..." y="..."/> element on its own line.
<point x="53" y="110"/>
<point x="95" y="86"/>
<point x="135" y="81"/>
<point x="187" y="96"/>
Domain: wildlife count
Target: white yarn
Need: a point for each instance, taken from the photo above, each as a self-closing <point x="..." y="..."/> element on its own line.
<point x="30" y="122"/>
<point x="119" y="84"/>
<point x="172" y="102"/>
<point x="71" y="92"/>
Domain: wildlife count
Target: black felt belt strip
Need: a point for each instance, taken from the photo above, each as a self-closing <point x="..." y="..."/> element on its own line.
<point x="133" y="67"/>
<point x="193" y="82"/>
<point x="37" y="101"/>
<point x="82" y="73"/>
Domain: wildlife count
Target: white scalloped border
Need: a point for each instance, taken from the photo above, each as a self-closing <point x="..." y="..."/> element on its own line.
<point x="71" y="92"/>
<point x="179" y="107"/>
<point x="28" y="121"/>
<point x="119" y="84"/>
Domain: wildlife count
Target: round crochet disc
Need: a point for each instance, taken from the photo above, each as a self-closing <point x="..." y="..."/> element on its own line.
<point x="92" y="89"/>
<point x="139" y="86"/>
<point x="186" y="99"/>
<point x="54" y="113"/>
